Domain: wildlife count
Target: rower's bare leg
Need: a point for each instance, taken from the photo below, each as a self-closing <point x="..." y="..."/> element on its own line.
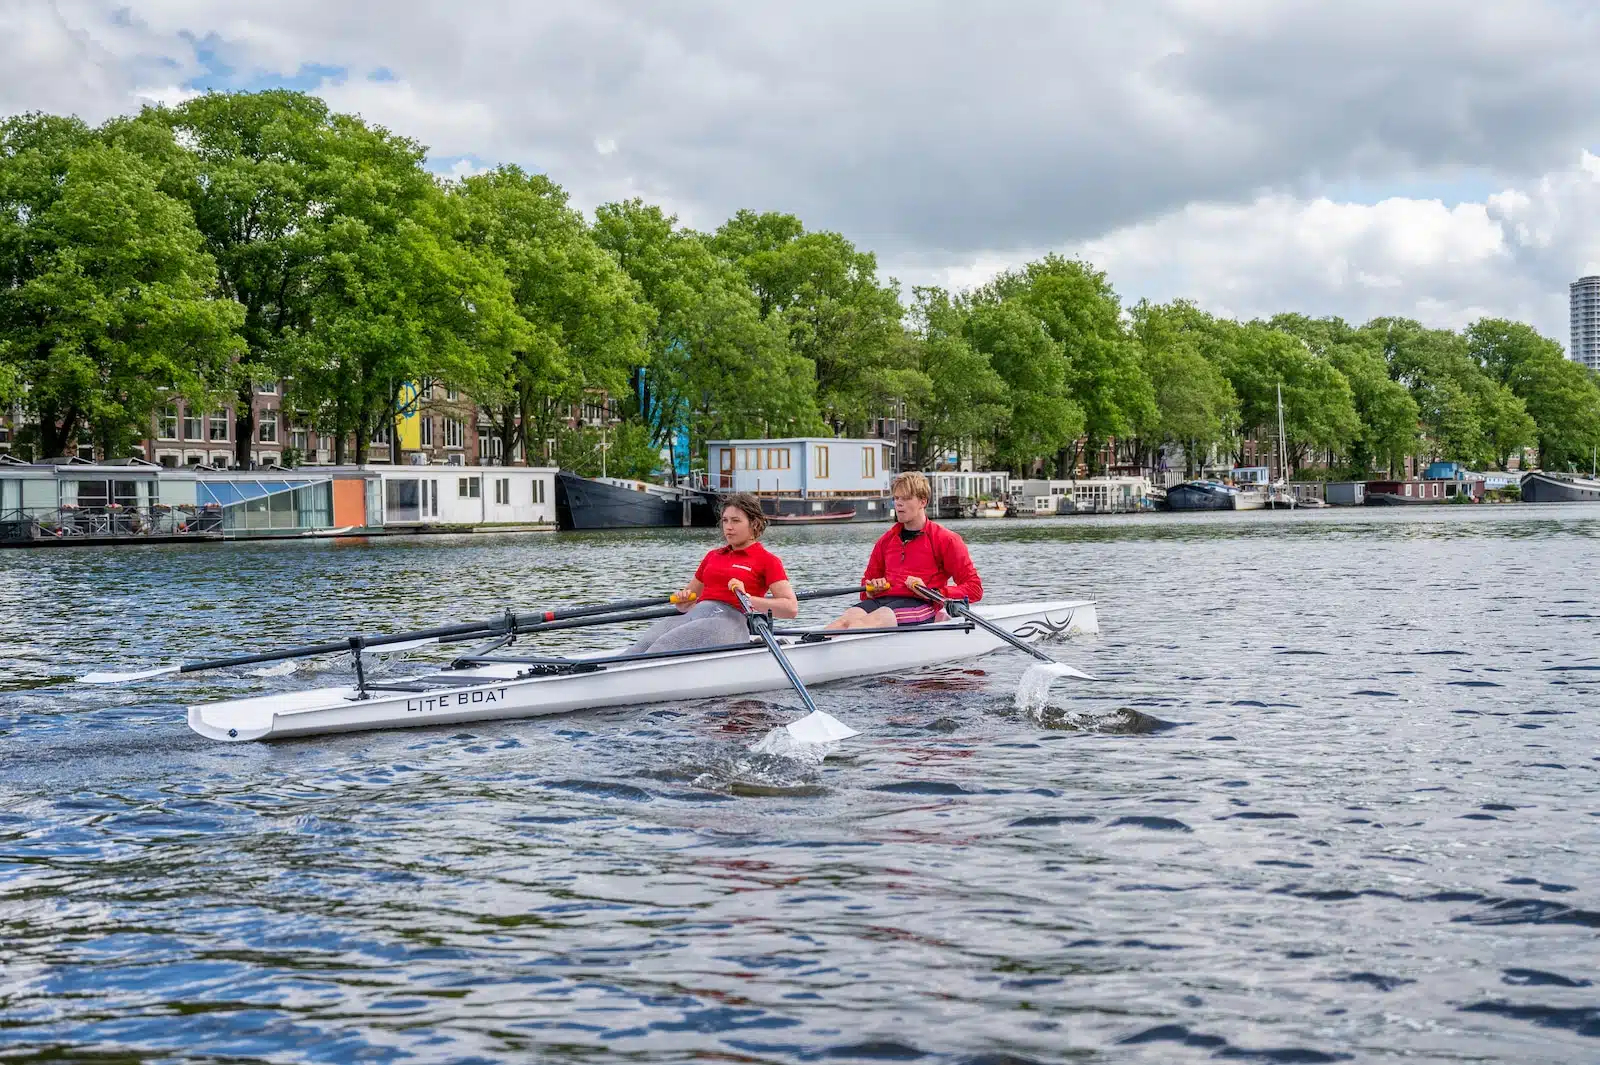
<point x="854" y="618"/>
<point x="857" y="618"/>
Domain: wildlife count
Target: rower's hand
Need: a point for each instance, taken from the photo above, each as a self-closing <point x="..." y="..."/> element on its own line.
<point x="683" y="599"/>
<point x="736" y="585"/>
<point x="876" y="586"/>
<point x="913" y="583"/>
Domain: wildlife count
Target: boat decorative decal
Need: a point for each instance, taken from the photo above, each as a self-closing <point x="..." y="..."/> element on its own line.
<point x="1047" y="626"/>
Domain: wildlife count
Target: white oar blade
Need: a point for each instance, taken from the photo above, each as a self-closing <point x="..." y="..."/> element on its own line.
<point x="1070" y="671"/>
<point x="817" y="727"/>
<point x="122" y="678"/>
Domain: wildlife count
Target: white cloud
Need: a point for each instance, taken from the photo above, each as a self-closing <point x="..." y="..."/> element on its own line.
<point x="1191" y="147"/>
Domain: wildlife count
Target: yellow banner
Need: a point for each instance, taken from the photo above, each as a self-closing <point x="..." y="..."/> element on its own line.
<point x="408" y="423"/>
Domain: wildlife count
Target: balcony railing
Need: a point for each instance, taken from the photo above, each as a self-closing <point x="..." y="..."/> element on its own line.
<point x="68" y="524"/>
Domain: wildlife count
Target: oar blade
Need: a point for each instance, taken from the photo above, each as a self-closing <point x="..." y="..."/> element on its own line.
<point x="407" y="645"/>
<point x="123" y="678"/>
<point x="817" y="727"/>
<point x="1072" y="671"/>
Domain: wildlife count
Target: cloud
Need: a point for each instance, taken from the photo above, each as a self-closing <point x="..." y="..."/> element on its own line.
<point x="953" y="137"/>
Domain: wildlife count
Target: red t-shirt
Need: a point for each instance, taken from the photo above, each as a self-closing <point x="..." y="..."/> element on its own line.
<point x="759" y="568"/>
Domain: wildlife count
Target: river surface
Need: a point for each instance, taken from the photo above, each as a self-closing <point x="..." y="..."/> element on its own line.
<point x="1336" y="797"/>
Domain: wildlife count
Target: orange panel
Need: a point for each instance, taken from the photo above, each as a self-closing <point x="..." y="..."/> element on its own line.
<point x="349" y="502"/>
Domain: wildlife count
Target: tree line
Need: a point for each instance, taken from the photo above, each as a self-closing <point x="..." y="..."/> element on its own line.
<point x="197" y="251"/>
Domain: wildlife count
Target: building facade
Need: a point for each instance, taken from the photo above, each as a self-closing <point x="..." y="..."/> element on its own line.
<point x="1586" y="322"/>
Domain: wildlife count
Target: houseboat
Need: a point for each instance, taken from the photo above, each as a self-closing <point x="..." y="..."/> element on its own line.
<point x="969" y="493"/>
<point x="72" y="501"/>
<point x="1412" y="492"/>
<point x="808" y="480"/>
<point x="1541" y="487"/>
<point x="1346" y="493"/>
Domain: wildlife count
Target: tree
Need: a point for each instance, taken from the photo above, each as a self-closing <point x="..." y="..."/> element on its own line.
<point x="966" y="399"/>
<point x="1387" y="413"/>
<point x="1082" y="315"/>
<point x="1318" y="407"/>
<point x="1563" y="399"/>
<point x="1195" y="405"/>
<point x="715" y="366"/>
<point x="107" y="305"/>
<point x="825" y="295"/>
<point x="397" y="294"/>
<point x="1042" y="420"/>
<point x="254" y="169"/>
<point x="585" y="321"/>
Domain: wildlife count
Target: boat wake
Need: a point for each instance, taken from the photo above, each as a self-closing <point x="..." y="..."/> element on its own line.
<point x="788" y="768"/>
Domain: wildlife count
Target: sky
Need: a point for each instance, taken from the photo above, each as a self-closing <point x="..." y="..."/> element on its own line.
<point x="1429" y="159"/>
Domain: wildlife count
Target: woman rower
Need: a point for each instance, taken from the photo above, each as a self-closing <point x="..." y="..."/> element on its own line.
<point x="709" y="613"/>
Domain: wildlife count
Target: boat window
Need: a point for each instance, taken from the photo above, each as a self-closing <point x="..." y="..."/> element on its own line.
<point x="469" y="487"/>
<point x="819" y="461"/>
<point x="538" y="491"/>
<point x="868" y="462"/>
<point x="1408" y="489"/>
<point x="502" y="491"/>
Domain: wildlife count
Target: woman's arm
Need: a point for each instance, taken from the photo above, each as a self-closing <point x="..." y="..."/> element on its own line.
<point x="690" y="594"/>
<point x="780" y="599"/>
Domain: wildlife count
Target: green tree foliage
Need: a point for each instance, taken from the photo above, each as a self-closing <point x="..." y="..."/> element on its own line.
<point x="1042" y="419"/>
<point x="1195" y="404"/>
<point x="254" y="169"/>
<point x="107" y="306"/>
<point x="825" y="295"/>
<point x="584" y="319"/>
<point x="715" y="366"/>
<point x="397" y="294"/>
<point x="1387" y="413"/>
<point x="966" y="399"/>
<point x="1081" y="314"/>
<point x="1261" y="362"/>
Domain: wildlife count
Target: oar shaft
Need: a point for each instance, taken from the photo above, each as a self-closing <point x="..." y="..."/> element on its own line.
<point x="961" y="610"/>
<point x="763" y="629"/>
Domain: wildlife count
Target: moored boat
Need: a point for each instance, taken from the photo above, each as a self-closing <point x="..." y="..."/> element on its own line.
<point x="617" y="503"/>
<point x="1541" y="487"/>
<point x="1200" y="495"/>
<point x="506" y="685"/>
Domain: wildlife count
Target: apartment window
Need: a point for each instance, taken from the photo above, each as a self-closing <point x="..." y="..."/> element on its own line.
<point x="538" y="491"/>
<point x="451" y="395"/>
<point x="267" y="428"/>
<point x="502" y="491"/>
<point x="193" y="425"/>
<point x="300" y="440"/>
<point x="869" y="462"/>
<point x="5" y="434"/>
<point x="219" y="425"/>
<point x="455" y="433"/>
<point x="167" y="426"/>
<point x="382" y="433"/>
<point x="270" y="388"/>
<point x="425" y="431"/>
<point x="820" y="460"/>
<point x="469" y="487"/>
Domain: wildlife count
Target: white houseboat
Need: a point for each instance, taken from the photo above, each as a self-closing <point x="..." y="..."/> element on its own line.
<point x="808" y="479"/>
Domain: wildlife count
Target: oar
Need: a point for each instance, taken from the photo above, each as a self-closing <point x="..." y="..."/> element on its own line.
<point x="404" y="641"/>
<point x="815" y="727"/>
<point x="543" y="620"/>
<point x="958" y="608"/>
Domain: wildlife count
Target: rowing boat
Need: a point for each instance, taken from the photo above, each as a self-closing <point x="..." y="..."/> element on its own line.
<point x="506" y="685"/>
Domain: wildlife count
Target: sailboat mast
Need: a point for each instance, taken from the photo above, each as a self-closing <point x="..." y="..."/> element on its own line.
<point x="1283" y="451"/>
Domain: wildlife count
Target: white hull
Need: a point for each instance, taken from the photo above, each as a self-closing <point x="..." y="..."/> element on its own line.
<point x="501" y="694"/>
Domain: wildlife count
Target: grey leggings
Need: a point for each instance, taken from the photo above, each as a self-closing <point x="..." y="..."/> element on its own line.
<point x="706" y="624"/>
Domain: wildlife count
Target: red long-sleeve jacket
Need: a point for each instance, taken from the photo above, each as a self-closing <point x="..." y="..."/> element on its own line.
<point x="938" y="556"/>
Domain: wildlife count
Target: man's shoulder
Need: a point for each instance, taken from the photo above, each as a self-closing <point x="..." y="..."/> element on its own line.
<point x="941" y="533"/>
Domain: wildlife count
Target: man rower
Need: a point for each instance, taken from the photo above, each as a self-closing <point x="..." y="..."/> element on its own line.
<point x="914" y="553"/>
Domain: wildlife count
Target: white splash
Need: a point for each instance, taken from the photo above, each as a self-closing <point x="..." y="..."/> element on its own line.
<point x="1033" y="691"/>
<point x="781" y="743"/>
<point x="282" y="669"/>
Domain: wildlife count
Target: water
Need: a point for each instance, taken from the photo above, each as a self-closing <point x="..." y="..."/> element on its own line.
<point x="1335" y="797"/>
